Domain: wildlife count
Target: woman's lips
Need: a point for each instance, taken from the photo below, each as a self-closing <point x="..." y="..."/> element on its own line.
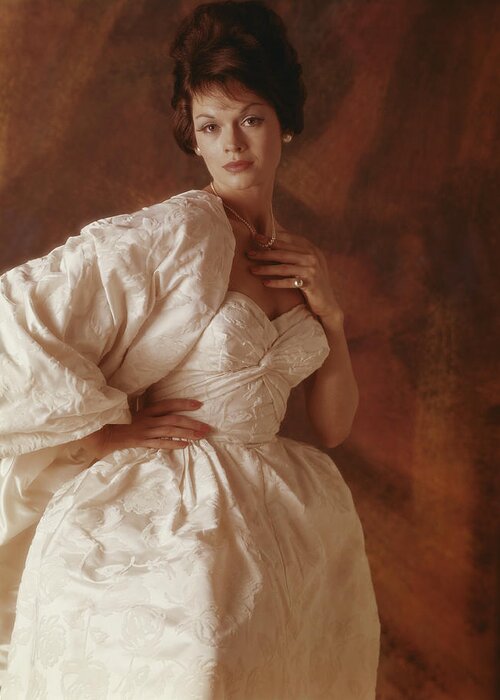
<point x="236" y="165"/>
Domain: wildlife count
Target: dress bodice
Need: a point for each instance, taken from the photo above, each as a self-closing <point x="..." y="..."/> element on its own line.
<point x="244" y="366"/>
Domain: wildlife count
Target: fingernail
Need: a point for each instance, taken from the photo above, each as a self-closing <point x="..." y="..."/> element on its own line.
<point x="196" y="403"/>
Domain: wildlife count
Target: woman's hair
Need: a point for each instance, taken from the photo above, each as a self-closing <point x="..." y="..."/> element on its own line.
<point x="220" y="42"/>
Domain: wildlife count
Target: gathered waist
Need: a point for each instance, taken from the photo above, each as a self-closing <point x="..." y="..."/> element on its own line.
<point x="232" y="419"/>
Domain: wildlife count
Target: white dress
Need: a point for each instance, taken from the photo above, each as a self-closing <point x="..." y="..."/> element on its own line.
<point x="232" y="569"/>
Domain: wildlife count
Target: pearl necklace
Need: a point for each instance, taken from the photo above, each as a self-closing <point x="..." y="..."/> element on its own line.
<point x="249" y="225"/>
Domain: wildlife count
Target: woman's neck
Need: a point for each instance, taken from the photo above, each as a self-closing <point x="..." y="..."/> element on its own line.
<point x="253" y="204"/>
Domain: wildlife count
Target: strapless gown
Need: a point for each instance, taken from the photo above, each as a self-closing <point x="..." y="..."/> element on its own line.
<point x="232" y="569"/>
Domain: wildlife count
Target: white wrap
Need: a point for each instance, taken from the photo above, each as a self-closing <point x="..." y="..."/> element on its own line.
<point x="82" y="329"/>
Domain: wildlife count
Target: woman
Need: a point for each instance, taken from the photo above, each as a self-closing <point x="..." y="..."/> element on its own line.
<point x="187" y="557"/>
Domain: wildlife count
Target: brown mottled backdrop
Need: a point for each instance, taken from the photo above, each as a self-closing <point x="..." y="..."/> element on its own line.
<point x="394" y="177"/>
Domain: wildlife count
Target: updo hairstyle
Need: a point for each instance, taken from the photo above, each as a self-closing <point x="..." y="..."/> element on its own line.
<point x="228" y="41"/>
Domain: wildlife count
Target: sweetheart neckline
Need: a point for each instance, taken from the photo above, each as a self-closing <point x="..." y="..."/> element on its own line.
<point x="272" y="321"/>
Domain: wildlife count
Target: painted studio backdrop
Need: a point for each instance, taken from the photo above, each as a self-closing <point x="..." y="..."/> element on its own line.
<point x="394" y="177"/>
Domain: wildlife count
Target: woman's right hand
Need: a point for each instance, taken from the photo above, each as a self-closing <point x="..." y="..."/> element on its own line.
<point x="152" y="427"/>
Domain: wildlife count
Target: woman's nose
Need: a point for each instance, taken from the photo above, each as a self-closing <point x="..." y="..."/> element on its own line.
<point x="232" y="148"/>
<point x="233" y="142"/>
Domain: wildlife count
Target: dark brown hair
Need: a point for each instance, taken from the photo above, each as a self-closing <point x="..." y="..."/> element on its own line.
<point x="220" y="42"/>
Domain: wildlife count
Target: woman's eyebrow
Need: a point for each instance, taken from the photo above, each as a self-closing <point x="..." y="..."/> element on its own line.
<point x="211" y="116"/>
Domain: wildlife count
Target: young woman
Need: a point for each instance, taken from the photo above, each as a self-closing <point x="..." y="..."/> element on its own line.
<point x="177" y="555"/>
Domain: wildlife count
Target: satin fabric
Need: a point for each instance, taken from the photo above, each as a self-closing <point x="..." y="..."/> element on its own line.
<point x="232" y="569"/>
<point x="80" y="330"/>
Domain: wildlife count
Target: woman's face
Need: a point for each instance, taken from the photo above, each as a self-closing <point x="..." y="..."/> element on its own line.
<point x="244" y="128"/>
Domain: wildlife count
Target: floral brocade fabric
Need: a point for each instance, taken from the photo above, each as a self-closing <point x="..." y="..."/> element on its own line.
<point x="232" y="569"/>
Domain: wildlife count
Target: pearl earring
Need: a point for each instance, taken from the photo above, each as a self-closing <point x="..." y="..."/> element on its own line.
<point x="287" y="138"/>
<point x="197" y="150"/>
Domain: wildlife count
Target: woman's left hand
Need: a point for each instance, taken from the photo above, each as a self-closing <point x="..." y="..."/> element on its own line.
<point x="298" y="257"/>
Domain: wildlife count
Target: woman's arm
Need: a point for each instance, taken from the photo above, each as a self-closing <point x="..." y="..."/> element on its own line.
<point x="332" y="394"/>
<point x="151" y="427"/>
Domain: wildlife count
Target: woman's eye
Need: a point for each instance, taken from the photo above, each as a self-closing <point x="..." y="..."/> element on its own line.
<point x="252" y="121"/>
<point x="207" y="128"/>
